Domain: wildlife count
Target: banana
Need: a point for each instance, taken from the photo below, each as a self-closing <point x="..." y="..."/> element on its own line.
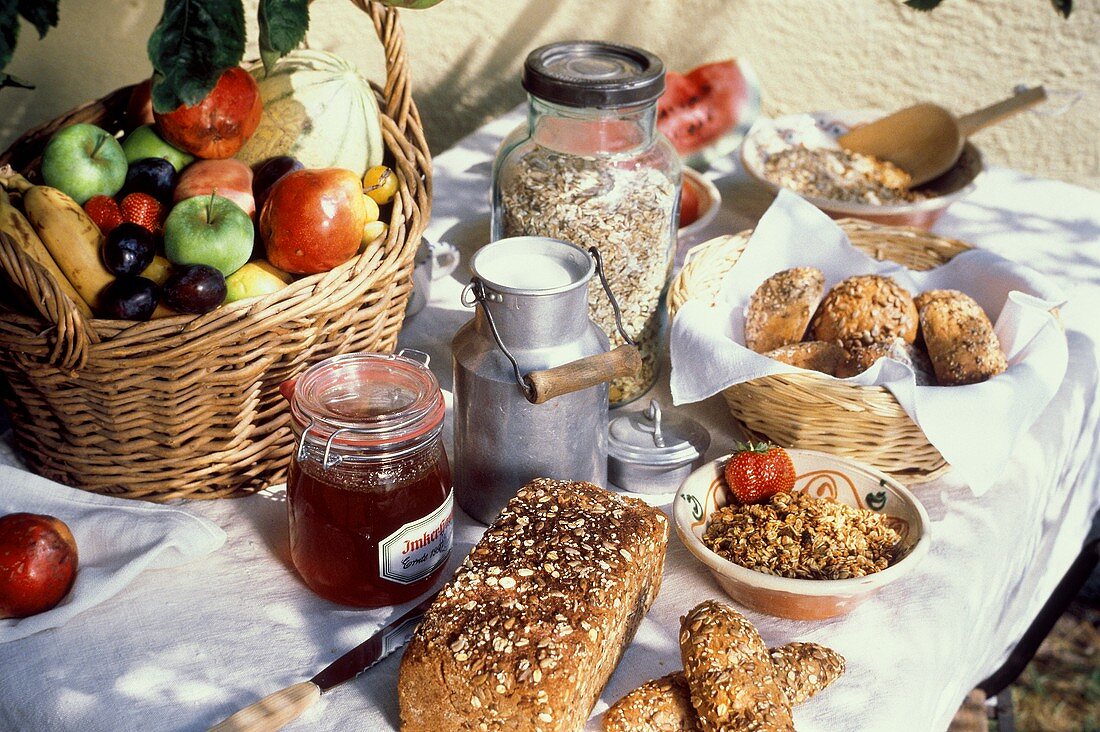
<point x="71" y="237"/>
<point x="16" y="226"/>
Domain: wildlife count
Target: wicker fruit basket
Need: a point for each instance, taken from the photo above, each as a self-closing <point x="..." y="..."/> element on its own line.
<point x="189" y="406"/>
<point x="816" y="412"/>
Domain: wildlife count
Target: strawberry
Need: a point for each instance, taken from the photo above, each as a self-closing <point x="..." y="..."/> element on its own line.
<point x="757" y="472"/>
<point x="143" y="210"/>
<point x="104" y="212"/>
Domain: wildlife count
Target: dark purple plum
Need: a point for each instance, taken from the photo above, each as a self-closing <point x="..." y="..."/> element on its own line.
<point x="267" y="174"/>
<point x="194" y="288"/>
<point x="130" y="298"/>
<point x="155" y="176"/>
<point x="128" y="249"/>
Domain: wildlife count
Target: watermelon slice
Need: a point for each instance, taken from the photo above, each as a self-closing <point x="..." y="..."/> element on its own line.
<point x="706" y="112"/>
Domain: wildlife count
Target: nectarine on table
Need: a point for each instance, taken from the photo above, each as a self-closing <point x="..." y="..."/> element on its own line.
<point x="38" y="562"/>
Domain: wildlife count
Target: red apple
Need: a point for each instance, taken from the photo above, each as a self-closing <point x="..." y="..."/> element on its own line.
<point x="229" y="178"/>
<point x="221" y="123"/>
<point x="38" y="561"/>
<point x="313" y="220"/>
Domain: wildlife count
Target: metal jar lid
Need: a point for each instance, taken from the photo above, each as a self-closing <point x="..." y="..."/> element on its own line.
<point x="649" y="452"/>
<point x="593" y="74"/>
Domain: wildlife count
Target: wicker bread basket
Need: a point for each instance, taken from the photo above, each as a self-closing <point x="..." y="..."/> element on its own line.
<point x="189" y="406"/>
<point x="817" y="412"/>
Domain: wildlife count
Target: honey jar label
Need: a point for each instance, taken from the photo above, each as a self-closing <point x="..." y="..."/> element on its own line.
<point x="416" y="549"/>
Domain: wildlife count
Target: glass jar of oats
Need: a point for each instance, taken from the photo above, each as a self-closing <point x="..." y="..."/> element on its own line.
<point x="589" y="166"/>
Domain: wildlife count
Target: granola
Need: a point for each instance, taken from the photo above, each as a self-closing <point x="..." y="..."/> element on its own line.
<point x="839" y="175"/>
<point x="801" y="537"/>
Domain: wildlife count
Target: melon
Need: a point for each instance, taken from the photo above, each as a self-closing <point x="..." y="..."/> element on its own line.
<point x="319" y="109"/>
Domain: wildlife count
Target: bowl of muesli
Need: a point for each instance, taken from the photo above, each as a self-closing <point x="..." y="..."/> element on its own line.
<point x="840" y="535"/>
<point x="799" y="152"/>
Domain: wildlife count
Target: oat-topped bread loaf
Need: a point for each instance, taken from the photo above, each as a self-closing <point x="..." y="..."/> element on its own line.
<point x="959" y="337"/>
<point x="780" y="309"/>
<point x="664" y="704"/>
<point x="536" y="618"/>
<point x="865" y="309"/>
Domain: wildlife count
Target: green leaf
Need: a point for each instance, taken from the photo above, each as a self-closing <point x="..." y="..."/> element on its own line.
<point x="9" y="80"/>
<point x="9" y="30"/>
<point x="923" y="4"/>
<point x="194" y="42"/>
<point x="283" y="25"/>
<point x="1065" y="7"/>
<point x="42" y="14"/>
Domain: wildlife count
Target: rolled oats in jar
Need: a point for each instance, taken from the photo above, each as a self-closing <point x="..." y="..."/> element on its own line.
<point x="590" y="167"/>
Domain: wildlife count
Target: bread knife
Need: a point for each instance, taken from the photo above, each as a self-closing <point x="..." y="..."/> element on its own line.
<point x="286" y="705"/>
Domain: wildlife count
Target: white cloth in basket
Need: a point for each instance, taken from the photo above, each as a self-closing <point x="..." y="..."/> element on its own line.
<point x="975" y="426"/>
<point x="116" y="539"/>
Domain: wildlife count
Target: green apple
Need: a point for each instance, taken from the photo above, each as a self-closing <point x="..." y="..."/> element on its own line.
<point x="82" y="161"/>
<point x="255" y="279"/>
<point x="144" y="142"/>
<point x="209" y="230"/>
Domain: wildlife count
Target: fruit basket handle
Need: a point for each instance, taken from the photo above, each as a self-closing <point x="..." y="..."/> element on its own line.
<point x="401" y="127"/>
<point x="72" y="335"/>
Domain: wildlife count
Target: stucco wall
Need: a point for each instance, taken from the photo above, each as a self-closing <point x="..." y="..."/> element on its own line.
<point x="809" y="54"/>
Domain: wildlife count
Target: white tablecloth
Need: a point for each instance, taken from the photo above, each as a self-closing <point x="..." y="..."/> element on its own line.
<point x="180" y="649"/>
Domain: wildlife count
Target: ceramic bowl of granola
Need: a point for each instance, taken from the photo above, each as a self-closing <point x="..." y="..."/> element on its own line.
<point x="799" y="152"/>
<point x="844" y="532"/>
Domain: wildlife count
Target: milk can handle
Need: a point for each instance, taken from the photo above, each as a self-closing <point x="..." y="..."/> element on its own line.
<point x="541" y="386"/>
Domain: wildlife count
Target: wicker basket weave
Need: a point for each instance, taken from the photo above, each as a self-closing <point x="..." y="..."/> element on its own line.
<point x="816" y="412"/>
<point x="189" y="406"/>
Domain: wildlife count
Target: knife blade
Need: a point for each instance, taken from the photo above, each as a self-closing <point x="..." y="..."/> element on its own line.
<point x="282" y="707"/>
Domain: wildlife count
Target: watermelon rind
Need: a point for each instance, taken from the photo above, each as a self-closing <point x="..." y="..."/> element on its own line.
<point x="750" y="112"/>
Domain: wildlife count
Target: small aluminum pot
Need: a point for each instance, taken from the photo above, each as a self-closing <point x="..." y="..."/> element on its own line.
<point x="652" y="453"/>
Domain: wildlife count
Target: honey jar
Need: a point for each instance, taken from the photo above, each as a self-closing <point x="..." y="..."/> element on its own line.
<point x="369" y="489"/>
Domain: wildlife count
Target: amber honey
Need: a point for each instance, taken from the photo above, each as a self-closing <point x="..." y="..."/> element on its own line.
<point x="369" y="489"/>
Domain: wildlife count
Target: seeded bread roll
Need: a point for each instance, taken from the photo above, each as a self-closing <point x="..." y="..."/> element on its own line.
<point x="803" y="669"/>
<point x="863" y="310"/>
<point x="861" y="358"/>
<point x="664" y="704"/>
<point x="536" y="618"/>
<point x="730" y="674"/>
<point x="780" y="309"/>
<point x="959" y="337"/>
<point x="828" y="358"/>
<point x="661" y="705"/>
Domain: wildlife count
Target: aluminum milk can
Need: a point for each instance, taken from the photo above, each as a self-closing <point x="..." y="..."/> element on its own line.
<point x="531" y="373"/>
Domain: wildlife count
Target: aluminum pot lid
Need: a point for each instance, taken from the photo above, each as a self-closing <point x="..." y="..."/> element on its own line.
<point x="654" y="438"/>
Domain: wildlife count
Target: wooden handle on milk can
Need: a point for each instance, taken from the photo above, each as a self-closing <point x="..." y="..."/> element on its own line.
<point x="582" y="373"/>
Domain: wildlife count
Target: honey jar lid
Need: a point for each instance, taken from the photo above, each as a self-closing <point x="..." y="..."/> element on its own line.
<point x="368" y="399"/>
<point x="654" y="439"/>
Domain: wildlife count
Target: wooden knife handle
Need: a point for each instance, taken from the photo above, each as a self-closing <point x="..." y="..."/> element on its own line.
<point x="583" y="373"/>
<point x="273" y="711"/>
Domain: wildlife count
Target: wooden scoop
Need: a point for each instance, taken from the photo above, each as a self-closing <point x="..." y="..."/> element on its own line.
<point x="925" y="140"/>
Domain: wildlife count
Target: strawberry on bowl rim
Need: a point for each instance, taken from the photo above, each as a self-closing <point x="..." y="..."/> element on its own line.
<point x="819" y="474"/>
